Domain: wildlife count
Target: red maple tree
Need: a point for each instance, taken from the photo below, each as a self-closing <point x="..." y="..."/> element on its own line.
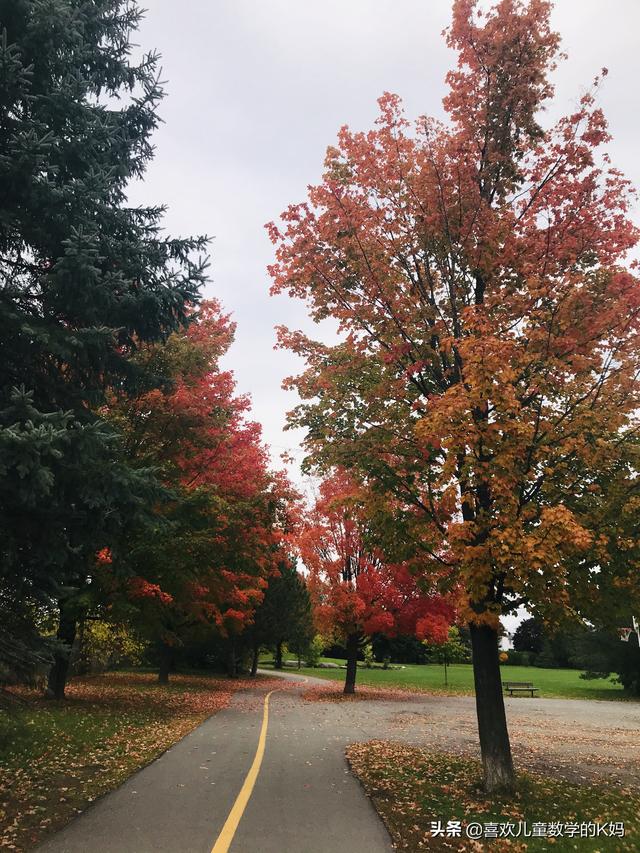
<point x="356" y="590"/>
<point x="221" y="526"/>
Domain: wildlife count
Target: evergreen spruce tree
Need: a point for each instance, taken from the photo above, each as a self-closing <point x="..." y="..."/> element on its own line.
<point x="284" y="615"/>
<point x="84" y="278"/>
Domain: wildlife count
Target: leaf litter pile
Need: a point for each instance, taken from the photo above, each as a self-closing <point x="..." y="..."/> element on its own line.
<point x="57" y="757"/>
<point x="411" y="787"/>
<point x="329" y="693"/>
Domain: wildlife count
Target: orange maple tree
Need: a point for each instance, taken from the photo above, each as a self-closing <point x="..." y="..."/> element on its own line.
<point x="355" y="588"/>
<point x="487" y="375"/>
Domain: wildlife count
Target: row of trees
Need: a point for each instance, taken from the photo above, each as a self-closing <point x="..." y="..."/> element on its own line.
<point x="137" y="507"/>
<point x="484" y="393"/>
<point x="133" y="487"/>
<point x="598" y="652"/>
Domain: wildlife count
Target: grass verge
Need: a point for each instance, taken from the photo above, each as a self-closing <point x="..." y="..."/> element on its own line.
<point x="57" y="757"/>
<point x="411" y="788"/>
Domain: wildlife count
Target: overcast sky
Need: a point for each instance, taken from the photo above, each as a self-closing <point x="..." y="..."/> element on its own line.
<point x="257" y="89"/>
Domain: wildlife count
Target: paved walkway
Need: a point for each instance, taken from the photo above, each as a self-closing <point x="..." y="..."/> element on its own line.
<point x="305" y="800"/>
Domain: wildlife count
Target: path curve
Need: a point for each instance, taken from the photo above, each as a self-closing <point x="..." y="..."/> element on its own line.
<point x="579" y="739"/>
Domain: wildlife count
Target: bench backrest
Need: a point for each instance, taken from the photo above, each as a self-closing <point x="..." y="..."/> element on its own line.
<point x="509" y="684"/>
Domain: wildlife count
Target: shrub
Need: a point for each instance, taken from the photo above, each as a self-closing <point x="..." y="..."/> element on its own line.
<point x="314" y="651"/>
<point x="367" y="652"/>
<point x="105" y="645"/>
<point x="515" y="658"/>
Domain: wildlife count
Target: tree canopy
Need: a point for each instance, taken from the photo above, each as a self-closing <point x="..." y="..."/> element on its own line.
<point x="218" y="531"/>
<point x="487" y="375"/>
<point x="84" y="278"/>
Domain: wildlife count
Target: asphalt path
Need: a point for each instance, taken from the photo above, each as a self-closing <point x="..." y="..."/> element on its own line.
<point x="305" y="800"/>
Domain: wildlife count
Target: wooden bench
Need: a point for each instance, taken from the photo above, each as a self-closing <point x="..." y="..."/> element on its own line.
<point x="512" y="687"/>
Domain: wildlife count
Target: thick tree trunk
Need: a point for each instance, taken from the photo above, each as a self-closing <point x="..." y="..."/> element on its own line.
<point x="492" y="720"/>
<point x="165" y="664"/>
<point x="254" y="660"/>
<point x="62" y="656"/>
<point x="352" y="663"/>
<point x="278" y="663"/>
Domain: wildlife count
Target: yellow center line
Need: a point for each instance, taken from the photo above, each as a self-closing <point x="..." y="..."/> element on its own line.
<point x="235" y="815"/>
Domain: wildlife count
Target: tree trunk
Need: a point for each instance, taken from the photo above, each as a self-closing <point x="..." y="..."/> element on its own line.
<point x="254" y="660"/>
<point x="278" y="663"/>
<point x="492" y="720"/>
<point x="165" y="664"/>
<point x="66" y="635"/>
<point x="446" y="681"/>
<point x="352" y="663"/>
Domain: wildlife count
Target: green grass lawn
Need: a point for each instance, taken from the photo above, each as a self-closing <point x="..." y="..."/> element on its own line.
<point x="412" y="787"/>
<point x="563" y="683"/>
